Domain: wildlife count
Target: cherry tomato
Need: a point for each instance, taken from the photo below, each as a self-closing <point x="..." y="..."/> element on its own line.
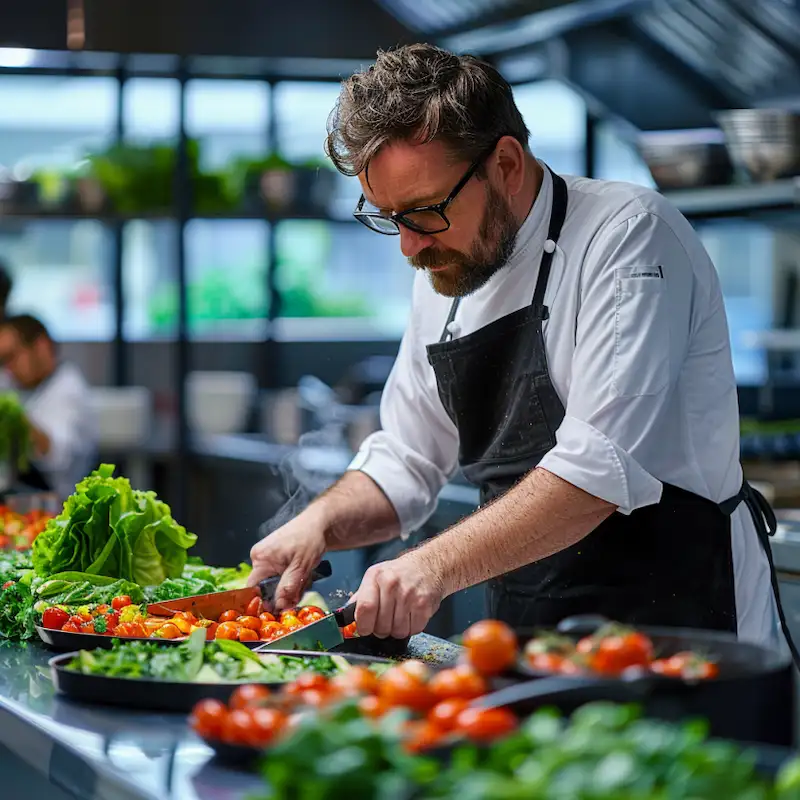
<point x="421" y="735"/>
<point x="419" y="669"/>
<point x="373" y="707"/>
<point x="546" y="662"/>
<point x="131" y="630"/>
<point x="228" y="616"/>
<point x="485" y="724"/>
<point x="227" y="630"/>
<point x="272" y="630"/>
<point x="211" y="631"/>
<point x="571" y="667"/>
<point x="349" y="631"/>
<point x="183" y="625"/>
<point x="70" y="627"/>
<point x="54" y="618"/>
<point x="462" y="681"/>
<point x="186" y="615"/>
<point x="247" y="635"/>
<point x="103" y="608"/>
<point x="445" y="714"/>
<point x="207" y="718"/>
<point x="265" y="617"/>
<point x="266" y="724"/>
<point x="169" y="631"/>
<point x="112" y="619"/>
<point x="120" y="602"/>
<point x="249" y="694"/>
<point x="7" y="584"/>
<point x="400" y="688"/>
<point x="309" y="614"/>
<point x="290" y="622"/>
<point x="612" y="654"/>
<point x="236" y="727"/>
<point x="315" y="698"/>
<point x="358" y="680"/>
<point x="79" y="619"/>
<point x="88" y="627"/>
<point x="254" y="623"/>
<point x="687" y="665"/>
<point x="491" y="646"/>
<point x="307" y="681"/>
<point x="254" y="607"/>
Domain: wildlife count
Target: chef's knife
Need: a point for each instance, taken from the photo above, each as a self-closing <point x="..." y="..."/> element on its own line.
<point x="324" y="634"/>
<point x="211" y="605"/>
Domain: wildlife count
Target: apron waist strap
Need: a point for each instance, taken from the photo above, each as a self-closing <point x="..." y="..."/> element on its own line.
<point x="763" y="515"/>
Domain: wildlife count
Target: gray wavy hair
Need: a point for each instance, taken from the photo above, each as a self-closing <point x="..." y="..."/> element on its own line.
<point x="424" y="93"/>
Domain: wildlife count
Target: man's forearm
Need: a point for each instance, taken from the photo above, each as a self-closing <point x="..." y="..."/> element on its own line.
<point x="354" y="512"/>
<point x="542" y="515"/>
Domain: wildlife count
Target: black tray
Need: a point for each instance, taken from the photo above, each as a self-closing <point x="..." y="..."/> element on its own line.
<point x="155" y="694"/>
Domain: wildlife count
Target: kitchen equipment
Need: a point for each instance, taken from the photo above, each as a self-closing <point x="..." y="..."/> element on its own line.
<point x="219" y="401"/>
<point x="211" y="605"/>
<point x="156" y="694"/>
<point x="763" y="142"/>
<point x="686" y="159"/>
<point x="123" y="414"/>
<point x="753" y="699"/>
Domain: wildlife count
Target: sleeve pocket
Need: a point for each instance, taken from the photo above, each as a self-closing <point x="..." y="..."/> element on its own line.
<point x="641" y="332"/>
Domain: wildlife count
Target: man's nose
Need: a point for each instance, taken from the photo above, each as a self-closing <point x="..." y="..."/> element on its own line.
<point x="412" y="242"/>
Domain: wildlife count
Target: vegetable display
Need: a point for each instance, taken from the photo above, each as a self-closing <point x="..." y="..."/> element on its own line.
<point x="17" y="531"/>
<point x="107" y="528"/>
<point x="199" y="661"/>
<point x="611" y="651"/>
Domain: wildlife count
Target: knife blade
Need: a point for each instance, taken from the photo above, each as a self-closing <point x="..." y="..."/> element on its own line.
<point x="211" y="605"/>
<point x="324" y="634"/>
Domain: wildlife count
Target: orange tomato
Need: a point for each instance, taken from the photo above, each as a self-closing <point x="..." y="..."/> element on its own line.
<point x="265" y="616"/>
<point x="211" y="631"/>
<point x="358" y="680"/>
<point x="249" y="694"/>
<point x="400" y="688"/>
<point x="373" y="706"/>
<point x="227" y="630"/>
<point x="236" y="727"/>
<point x="208" y="717"/>
<point x="271" y="630"/>
<point x="247" y="635"/>
<point x="485" y="724"/>
<point x="290" y="622"/>
<point x="491" y="646"/>
<point x="421" y="735"/>
<point x="306" y="682"/>
<point x="266" y="724"/>
<point x="228" y="616"/>
<point x="349" y="631"/>
<point x="169" y="631"/>
<point x="616" y="652"/>
<point x="182" y="624"/>
<point x="309" y="614"/>
<point x="445" y="714"/>
<point x="254" y="623"/>
<point x="546" y="662"/>
<point x="419" y="669"/>
<point x="254" y="607"/>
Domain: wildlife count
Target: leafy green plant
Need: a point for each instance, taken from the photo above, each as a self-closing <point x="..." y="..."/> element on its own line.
<point x="15" y="431"/>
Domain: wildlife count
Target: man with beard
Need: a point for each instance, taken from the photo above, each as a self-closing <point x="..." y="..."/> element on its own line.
<point x="568" y="350"/>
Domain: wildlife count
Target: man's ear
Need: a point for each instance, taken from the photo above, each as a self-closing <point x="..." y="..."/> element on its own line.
<point x="507" y="163"/>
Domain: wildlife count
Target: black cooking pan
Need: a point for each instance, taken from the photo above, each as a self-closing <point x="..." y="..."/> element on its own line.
<point x="752" y="700"/>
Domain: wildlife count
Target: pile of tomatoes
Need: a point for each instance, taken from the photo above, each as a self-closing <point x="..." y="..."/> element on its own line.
<point x="259" y="625"/>
<point x="613" y="650"/>
<point x="17" y="531"/>
<point x="439" y="703"/>
<point x="103" y="619"/>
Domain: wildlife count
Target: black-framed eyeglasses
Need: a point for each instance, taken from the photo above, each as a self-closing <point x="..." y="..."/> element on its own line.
<point x="424" y="219"/>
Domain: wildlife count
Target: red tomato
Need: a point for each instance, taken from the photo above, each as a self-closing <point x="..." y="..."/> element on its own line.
<point x="254" y="607"/>
<point x="79" y="619"/>
<point x="419" y="669"/>
<point x="120" y="602"/>
<point x="249" y="694"/>
<point x="211" y="631"/>
<point x="400" y="688"/>
<point x="445" y="714"/>
<point x="88" y="627"/>
<point x="358" y="680"/>
<point x="546" y="662"/>
<point x="247" y="635"/>
<point x="687" y="665"/>
<point x="462" y="681"/>
<point x="307" y="681"/>
<point x="254" y="623"/>
<point x="485" y="724"/>
<point x="349" y="631"/>
<point x="373" y="706"/>
<point x="491" y="646"/>
<point x="266" y="724"/>
<point x="614" y="653"/>
<point x="7" y="584"/>
<point x="5" y="541"/>
<point x="272" y="630"/>
<point x="54" y="618"/>
<point x="102" y="609"/>
<point x="70" y="627"/>
<point x="421" y="735"/>
<point x="207" y="718"/>
<point x="265" y="617"/>
<point x="227" y="630"/>
<point x="309" y="614"/>
<point x="112" y="620"/>
<point x="236" y="727"/>
<point x="316" y="698"/>
<point x="228" y="616"/>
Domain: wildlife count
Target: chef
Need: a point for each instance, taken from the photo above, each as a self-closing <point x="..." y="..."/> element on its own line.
<point x="56" y="399"/>
<point x="568" y="350"/>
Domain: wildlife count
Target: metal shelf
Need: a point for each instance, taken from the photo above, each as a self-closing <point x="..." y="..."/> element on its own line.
<point x="729" y="201"/>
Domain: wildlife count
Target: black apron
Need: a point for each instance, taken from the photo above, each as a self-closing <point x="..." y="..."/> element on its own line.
<point x="666" y="564"/>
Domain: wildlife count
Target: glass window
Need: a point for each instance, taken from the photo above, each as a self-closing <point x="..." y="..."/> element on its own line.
<point x="230" y="118"/>
<point x="340" y="280"/>
<point x="151" y="108"/>
<point x="556" y="118"/>
<point x="301" y="110"/>
<point x="616" y="159"/>
<point x="62" y="275"/>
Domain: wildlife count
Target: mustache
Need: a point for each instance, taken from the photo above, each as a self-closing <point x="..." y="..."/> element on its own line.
<point x="436" y="258"/>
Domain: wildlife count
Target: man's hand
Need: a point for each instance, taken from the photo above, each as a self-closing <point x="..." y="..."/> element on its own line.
<point x="398" y="597"/>
<point x="292" y="552"/>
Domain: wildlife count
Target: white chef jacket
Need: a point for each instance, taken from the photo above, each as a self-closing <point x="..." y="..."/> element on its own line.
<point x="638" y="351"/>
<point x="61" y="407"/>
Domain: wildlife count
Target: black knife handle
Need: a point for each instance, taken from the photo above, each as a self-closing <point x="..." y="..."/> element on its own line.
<point x="268" y="586"/>
<point x="346" y="615"/>
<point x="322" y="571"/>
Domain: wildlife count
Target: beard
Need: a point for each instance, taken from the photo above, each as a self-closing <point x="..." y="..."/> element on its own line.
<point x="467" y="272"/>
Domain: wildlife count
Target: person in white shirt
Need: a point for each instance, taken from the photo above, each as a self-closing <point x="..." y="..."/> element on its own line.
<point x="56" y="399"/>
<point x="567" y="350"/>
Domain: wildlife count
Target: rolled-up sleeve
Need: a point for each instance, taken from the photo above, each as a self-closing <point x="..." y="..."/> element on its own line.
<point x="416" y="451"/>
<point x="631" y="335"/>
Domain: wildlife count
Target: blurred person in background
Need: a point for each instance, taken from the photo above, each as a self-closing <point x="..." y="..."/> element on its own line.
<point x="6" y="285"/>
<point x="56" y="399"/>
